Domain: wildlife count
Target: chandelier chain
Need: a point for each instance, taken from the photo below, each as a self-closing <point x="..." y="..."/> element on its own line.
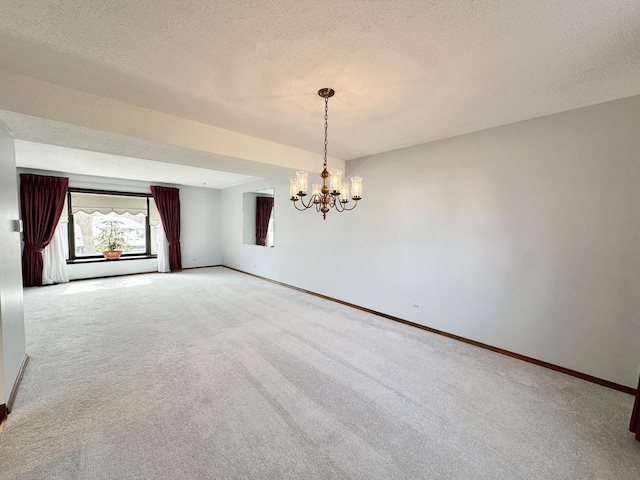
<point x="326" y="127"/>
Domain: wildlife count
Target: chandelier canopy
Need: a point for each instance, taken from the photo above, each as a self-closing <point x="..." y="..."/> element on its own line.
<point x="333" y="193"/>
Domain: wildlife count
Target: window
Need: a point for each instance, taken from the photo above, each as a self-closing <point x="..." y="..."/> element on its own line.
<point x="90" y="212"/>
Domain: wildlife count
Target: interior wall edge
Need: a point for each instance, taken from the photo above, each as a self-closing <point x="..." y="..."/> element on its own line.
<point x="16" y="384"/>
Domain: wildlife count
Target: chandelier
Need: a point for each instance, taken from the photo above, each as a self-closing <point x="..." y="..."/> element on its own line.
<point x="333" y="193"/>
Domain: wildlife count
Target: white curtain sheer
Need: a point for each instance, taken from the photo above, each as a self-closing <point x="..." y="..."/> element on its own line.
<point x="269" y="242"/>
<point x="54" y="263"/>
<point x="163" y="251"/>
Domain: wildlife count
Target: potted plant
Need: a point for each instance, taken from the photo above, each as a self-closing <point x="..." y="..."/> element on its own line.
<point x="111" y="240"/>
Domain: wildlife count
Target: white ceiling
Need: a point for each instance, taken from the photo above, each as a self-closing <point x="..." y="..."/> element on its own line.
<point x="405" y="72"/>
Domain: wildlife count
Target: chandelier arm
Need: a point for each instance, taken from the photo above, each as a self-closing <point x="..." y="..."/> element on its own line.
<point x="305" y="207"/>
<point x="349" y="209"/>
<point x="308" y="204"/>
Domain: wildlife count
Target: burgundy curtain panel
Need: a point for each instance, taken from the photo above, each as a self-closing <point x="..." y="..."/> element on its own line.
<point x="41" y="202"/>
<point x="168" y="202"/>
<point x="635" y="415"/>
<point x="263" y="213"/>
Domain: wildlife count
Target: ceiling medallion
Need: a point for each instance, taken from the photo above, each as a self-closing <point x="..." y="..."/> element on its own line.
<point x="336" y="193"/>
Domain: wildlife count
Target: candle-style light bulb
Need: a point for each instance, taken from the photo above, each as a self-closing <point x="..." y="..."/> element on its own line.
<point x="293" y="189"/>
<point x="356" y="188"/>
<point x="302" y="182"/>
<point x="317" y="191"/>
<point x="344" y="193"/>
<point x="335" y="181"/>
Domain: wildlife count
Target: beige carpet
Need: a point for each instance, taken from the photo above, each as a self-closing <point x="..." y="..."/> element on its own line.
<point x="212" y="374"/>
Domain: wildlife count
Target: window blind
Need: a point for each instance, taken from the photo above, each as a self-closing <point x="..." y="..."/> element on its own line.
<point x="105" y="204"/>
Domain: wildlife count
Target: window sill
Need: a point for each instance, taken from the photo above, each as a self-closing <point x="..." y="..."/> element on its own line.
<point x="102" y="259"/>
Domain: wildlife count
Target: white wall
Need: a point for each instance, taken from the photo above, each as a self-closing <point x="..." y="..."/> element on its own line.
<point x="525" y="237"/>
<point x="12" y="342"/>
<point x="199" y="227"/>
<point x="249" y="218"/>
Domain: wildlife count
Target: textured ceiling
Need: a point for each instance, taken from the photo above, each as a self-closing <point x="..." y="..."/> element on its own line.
<point x="405" y="72"/>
